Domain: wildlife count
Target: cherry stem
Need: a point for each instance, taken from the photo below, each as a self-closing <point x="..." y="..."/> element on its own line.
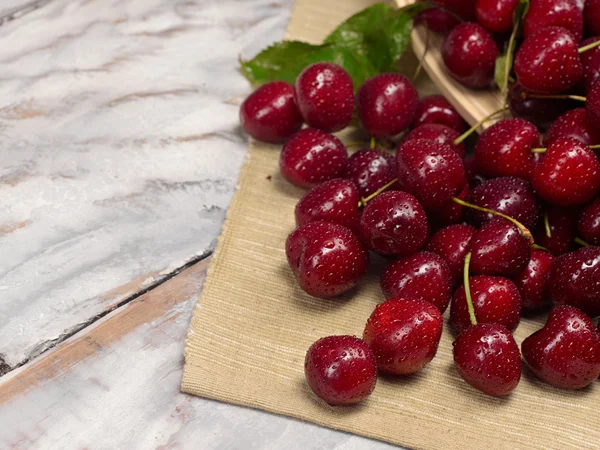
<point x="470" y="306"/>
<point x="373" y="143"/>
<point x="471" y="130"/>
<point x="547" y="225"/>
<point x="522" y="228"/>
<point x="539" y="247"/>
<point x="538" y="150"/>
<point x="581" y="242"/>
<point x="578" y="98"/>
<point x="363" y="201"/>
<point x="591" y="46"/>
<point x="595" y="146"/>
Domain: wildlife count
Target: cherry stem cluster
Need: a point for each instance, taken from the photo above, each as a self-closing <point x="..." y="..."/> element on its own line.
<point x="470" y="306"/>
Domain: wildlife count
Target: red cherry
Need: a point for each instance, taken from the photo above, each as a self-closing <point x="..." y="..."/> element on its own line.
<point x="511" y="196"/>
<point x="394" y="223"/>
<point x="548" y="61"/>
<point x="575" y="280"/>
<point x="432" y="172"/>
<point x="568" y="173"/>
<point x="341" y="369"/>
<point x="270" y="113"/>
<point x="438" y="133"/>
<point x="487" y="357"/>
<point x="435" y="109"/>
<point x="592" y="17"/>
<point x="559" y="13"/>
<point x="473" y="176"/>
<point x="563" y="224"/>
<point x="504" y="149"/>
<point x="326" y="258"/>
<point x="470" y="54"/>
<point x="495" y="300"/>
<point x="371" y="169"/>
<point x="574" y="124"/>
<point x="325" y="96"/>
<point x="532" y="281"/>
<point x="588" y="224"/>
<point x="566" y="352"/>
<point x="312" y="156"/>
<point x="386" y="104"/>
<point x="498" y="248"/>
<point x="463" y="8"/>
<point x="591" y="63"/>
<point x="333" y="201"/>
<point x="496" y="15"/>
<point x="437" y="20"/>
<point x="404" y="335"/>
<point x="592" y="105"/>
<point x="451" y="212"/>
<point x="422" y="276"/>
<point x="452" y="244"/>
<point x="539" y="111"/>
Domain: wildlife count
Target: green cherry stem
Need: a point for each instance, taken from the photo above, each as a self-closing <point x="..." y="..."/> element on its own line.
<point x="539" y="247"/>
<point x="547" y="225"/>
<point x="591" y="46"/>
<point x="363" y="201"/>
<point x="471" y="130"/>
<point x="373" y="143"/>
<point x="581" y="242"/>
<point x="578" y="98"/>
<point x="543" y="150"/>
<point x="470" y="306"/>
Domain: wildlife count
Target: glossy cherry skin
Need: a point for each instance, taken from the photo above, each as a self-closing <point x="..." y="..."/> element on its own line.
<point x="504" y="149"/>
<point x="496" y="15"/>
<point x="432" y="172"/>
<point x="588" y="224"/>
<point x="435" y="109"/>
<point x="473" y="176"/>
<point x="452" y="244"/>
<point x="567" y="174"/>
<point x="270" y="113"/>
<point x="325" y="96"/>
<point x="341" y="370"/>
<point x="312" y="156"/>
<point x="386" y="104"/>
<point x="333" y="201"/>
<point x="495" y="299"/>
<point x="592" y="17"/>
<point x="370" y="169"/>
<point x="423" y="276"/>
<point x="470" y="53"/>
<point x="451" y="212"/>
<point x="539" y="111"/>
<point x="404" y="334"/>
<point x="394" y="223"/>
<point x="508" y="195"/>
<point x="559" y="13"/>
<point x="592" y="105"/>
<point x="498" y="248"/>
<point x="575" y="280"/>
<point x="532" y="282"/>
<point x="574" y="124"/>
<point x="566" y="352"/>
<point x="548" y="61"/>
<point x="591" y="63"/>
<point x="563" y="228"/>
<point x="488" y="358"/>
<point x="437" y="20"/>
<point x="438" y="133"/>
<point x="326" y="258"/>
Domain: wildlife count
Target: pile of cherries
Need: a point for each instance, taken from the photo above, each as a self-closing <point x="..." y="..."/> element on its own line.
<point x="489" y="234"/>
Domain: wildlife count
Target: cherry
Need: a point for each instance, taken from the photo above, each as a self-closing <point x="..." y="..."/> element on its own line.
<point x="325" y="96"/>
<point x="592" y="105"/>
<point x="270" y="113"/>
<point x="438" y="133"/>
<point x="592" y="17"/>
<point x="499" y="248"/>
<point x="539" y="111"/>
<point x="312" y="156"/>
<point x="386" y="104"/>
<point x="504" y="149"/>
<point x="333" y="201"/>
<point x="327" y="258"/>
<point x="473" y="176"/>
<point x="451" y="212"/>
<point x="404" y="334"/>
<point x="591" y="63"/>
<point x="370" y="169"/>
<point x="341" y="370"/>
<point x="508" y="195"/>
<point x="575" y="280"/>
<point x="431" y="171"/>
<point x="423" y="276"/>
<point x="394" y="223"/>
<point x="562" y="223"/>
<point x="496" y="15"/>
<point x="565" y="353"/>
<point x="463" y="8"/>
<point x="487" y="357"/>
<point x="548" y="61"/>
<point x="437" y="20"/>
<point x="589" y="222"/>
<point x="452" y="244"/>
<point x="574" y="124"/>
<point x="435" y="109"/>
<point x="560" y="13"/>
<point x="568" y="173"/>
<point x="532" y="282"/>
<point x="470" y="53"/>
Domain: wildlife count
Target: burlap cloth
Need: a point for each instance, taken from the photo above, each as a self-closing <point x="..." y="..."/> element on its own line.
<point x="253" y="325"/>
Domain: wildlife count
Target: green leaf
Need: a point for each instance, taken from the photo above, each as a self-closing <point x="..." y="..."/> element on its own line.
<point x="504" y="62"/>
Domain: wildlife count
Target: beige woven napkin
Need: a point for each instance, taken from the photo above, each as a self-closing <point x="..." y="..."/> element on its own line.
<point x="253" y="325"/>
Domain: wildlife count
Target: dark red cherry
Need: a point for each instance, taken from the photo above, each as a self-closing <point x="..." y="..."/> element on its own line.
<point x="422" y="276"/>
<point x="592" y="105"/>
<point x="437" y="20"/>
<point x="470" y="54"/>
<point x="333" y="201"/>
<point x="438" y="133"/>
<point x="370" y="169"/>
<point x="563" y="228"/>
<point x="559" y="13"/>
<point x="592" y="17"/>
<point x="451" y="212"/>
<point x="465" y="9"/>
<point x="539" y="111"/>
<point x="436" y="109"/>
<point x="574" y="124"/>
<point x="386" y="104"/>
<point x="548" y="61"/>
<point x="452" y="244"/>
<point x="473" y="176"/>
<point x="270" y="113"/>
<point x="591" y="63"/>
<point x="532" y="282"/>
<point x="589" y="222"/>
<point x="496" y="15"/>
